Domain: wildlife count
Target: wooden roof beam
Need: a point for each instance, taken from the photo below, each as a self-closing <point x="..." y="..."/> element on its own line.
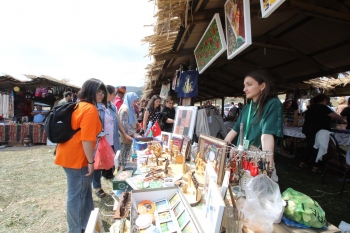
<point x="172" y="55"/>
<point x="301" y="56"/>
<point x="318" y="74"/>
<point x="223" y="83"/>
<point x="166" y="70"/>
<point x="320" y="10"/>
<point x="209" y="90"/>
<point x="273" y="46"/>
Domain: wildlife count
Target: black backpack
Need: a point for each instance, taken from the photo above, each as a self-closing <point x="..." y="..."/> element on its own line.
<point x="58" y="123"/>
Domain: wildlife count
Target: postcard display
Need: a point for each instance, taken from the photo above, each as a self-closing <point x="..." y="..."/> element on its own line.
<point x="163" y="208"/>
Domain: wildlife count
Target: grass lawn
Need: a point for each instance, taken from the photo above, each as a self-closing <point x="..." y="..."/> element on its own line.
<point x="33" y="191"/>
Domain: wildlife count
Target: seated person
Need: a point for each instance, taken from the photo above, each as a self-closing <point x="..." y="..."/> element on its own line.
<point x="318" y="116"/>
<point x="346" y="114"/>
<point x="39" y="114"/>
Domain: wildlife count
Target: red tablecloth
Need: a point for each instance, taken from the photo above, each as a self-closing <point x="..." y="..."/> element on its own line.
<point x="15" y="133"/>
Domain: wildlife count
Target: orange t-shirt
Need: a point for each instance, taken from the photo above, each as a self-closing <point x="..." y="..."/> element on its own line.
<point x="71" y="154"/>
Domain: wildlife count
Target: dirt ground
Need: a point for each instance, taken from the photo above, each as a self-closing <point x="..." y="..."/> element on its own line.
<point x="33" y="191"/>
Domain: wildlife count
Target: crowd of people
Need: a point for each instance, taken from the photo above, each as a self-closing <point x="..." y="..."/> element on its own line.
<point x="122" y="116"/>
<point x="103" y="110"/>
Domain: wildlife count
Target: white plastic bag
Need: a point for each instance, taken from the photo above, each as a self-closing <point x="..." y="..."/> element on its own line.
<point x="263" y="204"/>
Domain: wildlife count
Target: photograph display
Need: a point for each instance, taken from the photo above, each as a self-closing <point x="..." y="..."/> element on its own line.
<point x="185" y="120"/>
<point x="269" y="6"/>
<point x="238" y="31"/>
<point x="213" y="150"/>
<point x="211" y="45"/>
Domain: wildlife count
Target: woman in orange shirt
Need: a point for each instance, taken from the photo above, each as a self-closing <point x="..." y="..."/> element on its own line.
<point x="76" y="156"/>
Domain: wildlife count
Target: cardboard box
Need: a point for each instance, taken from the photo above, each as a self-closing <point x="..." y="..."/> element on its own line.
<point x="158" y="195"/>
<point x="141" y="143"/>
<point x="119" y="181"/>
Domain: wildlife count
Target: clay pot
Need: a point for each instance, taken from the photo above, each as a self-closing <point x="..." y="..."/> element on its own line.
<point x="27" y="140"/>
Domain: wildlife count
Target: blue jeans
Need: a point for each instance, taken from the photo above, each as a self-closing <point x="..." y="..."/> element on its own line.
<point x="96" y="179"/>
<point x="79" y="199"/>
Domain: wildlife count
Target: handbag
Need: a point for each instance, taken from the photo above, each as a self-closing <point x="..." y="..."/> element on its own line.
<point x="104" y="157"/>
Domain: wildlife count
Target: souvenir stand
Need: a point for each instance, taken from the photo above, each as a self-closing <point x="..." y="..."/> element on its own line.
<point x="17" y="97"/>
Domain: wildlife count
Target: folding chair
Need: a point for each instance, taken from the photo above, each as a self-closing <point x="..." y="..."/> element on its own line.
<point x="336" y="160"/>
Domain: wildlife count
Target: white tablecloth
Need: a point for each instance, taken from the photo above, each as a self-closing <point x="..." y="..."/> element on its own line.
<point x="342" y="138"/>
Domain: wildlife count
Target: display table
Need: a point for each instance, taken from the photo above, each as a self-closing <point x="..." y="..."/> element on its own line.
<point x="283" y="228"/>
<point x="15" y="133"/>
<point x="342" y="136"/>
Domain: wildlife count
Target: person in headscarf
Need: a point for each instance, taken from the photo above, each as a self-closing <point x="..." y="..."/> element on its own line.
<point x="129" y="123"/>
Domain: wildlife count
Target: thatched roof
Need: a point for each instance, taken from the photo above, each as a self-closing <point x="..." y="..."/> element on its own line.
<point x="32" y="81"/>
<point x="299" y="41"/>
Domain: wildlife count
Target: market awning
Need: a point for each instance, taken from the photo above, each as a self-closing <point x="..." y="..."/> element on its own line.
<point x="301" y="40"/>
<point x="32" y="81"/>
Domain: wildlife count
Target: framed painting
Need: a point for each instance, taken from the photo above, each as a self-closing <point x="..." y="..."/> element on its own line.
<point x="211" y="45"/>
<point x="238" y="31"/>
<point x="177" y="140"/>
<point x="185" y="120"/>
<point x="214" y="208"/>
<point x="209" y="175"/>
<point x="213" y="150"/>
<point x="165" y="137"/>
<point x="186" y="146"/>
<point x="225" y="184"/>
<point x="269" y="6"/>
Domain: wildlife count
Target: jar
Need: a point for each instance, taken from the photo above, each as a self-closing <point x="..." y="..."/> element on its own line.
<point x="27" y="141"/>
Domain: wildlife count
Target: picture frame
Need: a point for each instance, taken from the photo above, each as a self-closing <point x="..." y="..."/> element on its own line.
<point x="174" y="200"/>
<point x="95" y="222"/>
<point x="225" y="184"/>
<point x="185" y="120"/>
<point x="214" y="208"/>
<point x="164" y="216"/>
<point x="178" y="209"/>
<point x="214" y="150"/>
<point x="183" y="219"/>
<point x="186" y="146"/>
<point x="211" y="45"/>
<point x="165" y="138"/>
<point x="237" y="25"/>
<point x="209" y="175"/>
<point x="189" y="228"/>
<point x="268" y="6"/>
<point x="177" y="141"/>
<point x="162" y="205"/>
<point x="167" y="226"/>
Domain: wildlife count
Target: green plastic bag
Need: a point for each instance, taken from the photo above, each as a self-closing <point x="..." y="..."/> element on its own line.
<point x="303" y="209"/>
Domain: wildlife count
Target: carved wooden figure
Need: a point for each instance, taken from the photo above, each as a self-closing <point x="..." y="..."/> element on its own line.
<point x="184" y="188"/>
<point x="189" y="180"/>
<point x="184" y="167"/>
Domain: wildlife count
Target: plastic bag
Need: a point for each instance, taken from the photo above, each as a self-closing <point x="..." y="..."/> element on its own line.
<point x="104" y="157"/>
<point x="263" y="204"/>
<point x="303" y="209"/>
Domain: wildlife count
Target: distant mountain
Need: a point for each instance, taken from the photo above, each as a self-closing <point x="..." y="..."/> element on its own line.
<point x="137" y="90"/>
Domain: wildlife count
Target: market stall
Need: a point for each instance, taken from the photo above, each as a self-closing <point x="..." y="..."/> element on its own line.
<point x="18" y="97"/>
<point x="18" y="133"/>
<point x="163" y="192"/>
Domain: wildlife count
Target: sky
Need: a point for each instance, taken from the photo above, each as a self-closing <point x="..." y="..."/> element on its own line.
<point x="76" y="40"/>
